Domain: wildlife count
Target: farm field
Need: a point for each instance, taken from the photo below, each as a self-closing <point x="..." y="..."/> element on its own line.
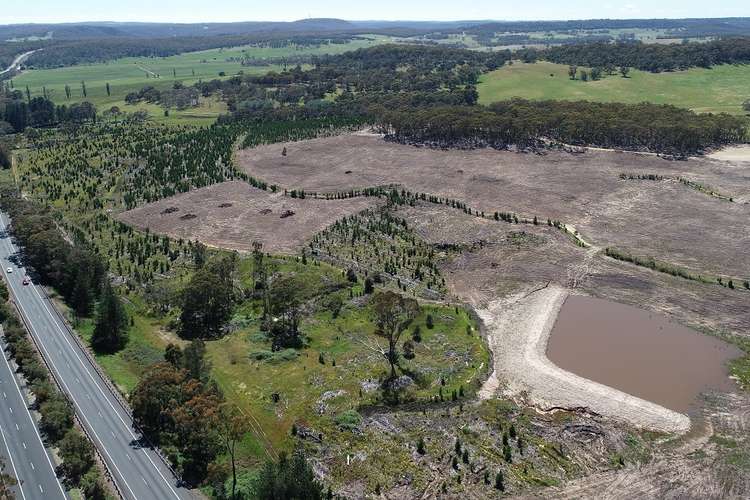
<point x="720" y="89"/>
<point x="655" y="218"/>
<point x="131" y="74"/>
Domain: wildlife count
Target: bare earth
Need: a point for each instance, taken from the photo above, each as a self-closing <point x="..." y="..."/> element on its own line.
<point x="664" y="219"/>
<point x="733" y="153"/>
<point x="234" y="214"/>
<point x="498" y="264"/>
<point x="518" y="330"/>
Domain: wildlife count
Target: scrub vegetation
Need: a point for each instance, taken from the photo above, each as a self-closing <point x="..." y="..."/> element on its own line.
<point x="350" y="357"/>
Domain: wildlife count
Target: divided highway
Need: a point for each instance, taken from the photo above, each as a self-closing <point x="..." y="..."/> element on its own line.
<point x="138" y="472"/>
<point x="21" y="446"/>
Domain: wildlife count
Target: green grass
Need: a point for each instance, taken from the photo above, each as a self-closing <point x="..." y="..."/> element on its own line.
<point x="147" y="340"/>
<point x="721" y="89"/>
<point x="447" y="352"/>
<point x="127" y="75"/>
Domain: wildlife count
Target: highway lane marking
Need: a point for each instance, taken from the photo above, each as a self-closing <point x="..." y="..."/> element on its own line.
<point x="17" y="428"/>
<point x="40" y="488"/>
<point x="34" y="331"/>
<point x="24" y="444"/>
<point x="144" y="481"/>
<point x="11" y="409"/>
<point x="88" y="372"/>
<point x="33" y="425"/>
<point x="82" y="414"/>
<point x="64" y="335"/>
<point x="13" y="465"/>
<point x="32" y="465"/>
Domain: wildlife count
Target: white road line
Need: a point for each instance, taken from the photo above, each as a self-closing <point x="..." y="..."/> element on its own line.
<point x="33" y="422"/>
<point x="15" y="473"/>
<point x="31" y="326"/>
<point x="32" y="465"/>
<point x="88" y="372"/>
<point x="64" y="335"/>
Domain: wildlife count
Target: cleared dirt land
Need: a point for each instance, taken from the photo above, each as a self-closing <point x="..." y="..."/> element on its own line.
<point x="516" y="276"/>
<point x="665" y="219"/>
<point x="234" y="214"/>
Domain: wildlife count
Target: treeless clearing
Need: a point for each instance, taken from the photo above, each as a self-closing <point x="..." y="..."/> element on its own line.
<point x="234" y="214"/>
<point x="733" y="154"/>
<point x="506" y="270"/>
<point x="664" y="219"/>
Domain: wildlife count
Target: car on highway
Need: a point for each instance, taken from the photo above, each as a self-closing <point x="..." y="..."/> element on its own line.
<point x="9" y="270"/>
<point x="26" y="281"/>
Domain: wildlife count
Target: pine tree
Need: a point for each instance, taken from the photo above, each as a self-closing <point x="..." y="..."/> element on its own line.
<point x="499" y="482"/>
<point x="421" y="446"/>
<point x="110" y="332"/>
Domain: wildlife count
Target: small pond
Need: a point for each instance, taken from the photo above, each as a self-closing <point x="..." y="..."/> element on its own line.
<point x="638" y="352"/>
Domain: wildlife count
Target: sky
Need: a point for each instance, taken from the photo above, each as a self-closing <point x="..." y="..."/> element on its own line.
<point x="190" y="11"/>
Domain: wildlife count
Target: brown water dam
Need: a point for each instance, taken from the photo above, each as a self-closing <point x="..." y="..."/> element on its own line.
<point x="639" y="352"/>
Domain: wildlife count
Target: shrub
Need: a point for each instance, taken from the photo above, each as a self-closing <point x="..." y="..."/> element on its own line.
<point x="57" y="418"/>
<point x="275" y="357"/>
<point x="77" y="454"/>
<point x="429" y="322"/>
<point x="421" y="446"/>
<point x="349" y="420"/>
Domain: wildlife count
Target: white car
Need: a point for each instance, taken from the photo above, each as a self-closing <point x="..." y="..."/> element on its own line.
<point x="10" y="269"/>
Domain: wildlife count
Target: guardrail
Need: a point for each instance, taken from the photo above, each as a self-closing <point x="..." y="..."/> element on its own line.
<point x="62" y="390"/>
<point x="106" y="380"/>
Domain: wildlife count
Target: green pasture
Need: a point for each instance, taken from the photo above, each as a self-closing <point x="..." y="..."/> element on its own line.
<point x="131" y="74"/>
<point x="720" y="89"/>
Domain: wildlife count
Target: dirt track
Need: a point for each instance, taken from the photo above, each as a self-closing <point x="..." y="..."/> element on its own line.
<point x="518" y="328"/>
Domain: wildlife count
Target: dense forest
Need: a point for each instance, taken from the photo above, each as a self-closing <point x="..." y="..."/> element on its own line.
<point x="639" y="127"/>
<point x="646" y="57"/>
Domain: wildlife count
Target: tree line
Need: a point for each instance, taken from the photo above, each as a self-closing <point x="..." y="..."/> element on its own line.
<point x="381" y="70"/>
<point x="646" y="57"/>
<point x="19" y="110"/>
<point x="79" y="274"/>
<point x="85" y="51"/>
<point x="78" y="468"/>
<point x="638" y="127"/>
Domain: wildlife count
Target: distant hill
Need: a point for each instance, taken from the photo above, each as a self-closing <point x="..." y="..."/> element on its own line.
<point x="79" y="31"/>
